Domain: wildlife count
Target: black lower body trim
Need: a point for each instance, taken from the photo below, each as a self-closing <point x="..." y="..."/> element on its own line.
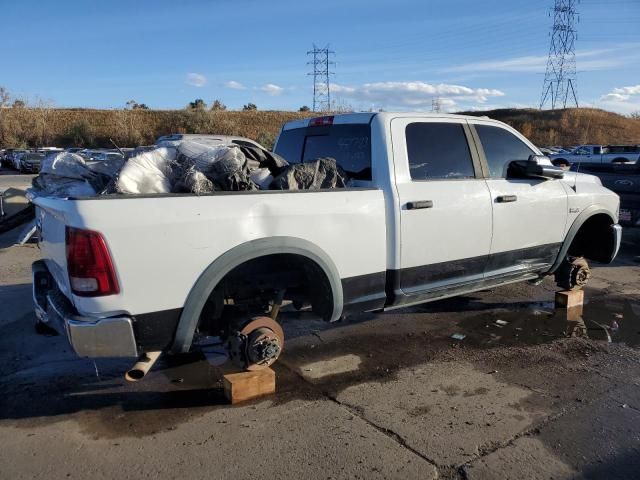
<point x="156" y="330"/>
<point x="539" y="256"/>
<point x="364" y="293"/>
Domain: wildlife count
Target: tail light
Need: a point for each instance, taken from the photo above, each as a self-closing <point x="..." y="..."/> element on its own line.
<point x="321" y="121"/>
<point x="91" y="272"/>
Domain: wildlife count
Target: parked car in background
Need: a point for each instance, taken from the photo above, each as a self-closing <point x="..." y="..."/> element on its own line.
<point x="105" y="155"/>
<point x="15" y="158"/>
<point x="31" y="162"/>
<point x="599" y="154"/>
<point x="222" y="139"/>
<point x="623" y="179"/>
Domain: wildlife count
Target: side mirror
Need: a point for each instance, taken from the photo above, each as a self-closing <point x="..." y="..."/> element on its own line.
<point x="537" y="166"/>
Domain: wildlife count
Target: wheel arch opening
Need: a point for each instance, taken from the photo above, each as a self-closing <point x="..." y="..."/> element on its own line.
<point x="248" y="288"/>
<point x="595" y="239"/>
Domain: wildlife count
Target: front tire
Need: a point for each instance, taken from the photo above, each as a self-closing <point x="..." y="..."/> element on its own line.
<point x="573" y="274"/>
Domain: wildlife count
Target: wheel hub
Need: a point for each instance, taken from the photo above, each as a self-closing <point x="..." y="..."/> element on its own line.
<point x="257" y="345"/>
<point x="581" y="276"/>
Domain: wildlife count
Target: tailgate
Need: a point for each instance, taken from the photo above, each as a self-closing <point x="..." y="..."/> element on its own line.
<point x="50" y="223"/>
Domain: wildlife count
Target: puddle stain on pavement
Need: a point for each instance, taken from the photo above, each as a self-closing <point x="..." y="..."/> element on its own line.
<point x="182" y="389"/>
<point x="608" y="320"/>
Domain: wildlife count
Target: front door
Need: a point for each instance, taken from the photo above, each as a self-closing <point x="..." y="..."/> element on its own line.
<point x="529" y="215"/>
<point x="445" y="206"/>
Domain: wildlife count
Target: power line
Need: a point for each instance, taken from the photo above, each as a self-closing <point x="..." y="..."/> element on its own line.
<point x="560" y="77"/>
<point x="321" y="73"/>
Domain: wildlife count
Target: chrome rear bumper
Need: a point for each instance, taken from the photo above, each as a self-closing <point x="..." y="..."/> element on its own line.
<point x="89" y="337"/>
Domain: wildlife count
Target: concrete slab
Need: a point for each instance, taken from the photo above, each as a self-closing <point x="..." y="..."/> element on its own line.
<point x="449" y="412"/>
<point x="526" y="459"/>
<point x="601" y="440"/>
<point x="324" y="368"/>
<point x="293" y="441"/>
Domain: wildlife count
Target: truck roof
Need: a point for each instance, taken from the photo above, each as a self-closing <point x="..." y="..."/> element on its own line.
<point x="366" y="117"/>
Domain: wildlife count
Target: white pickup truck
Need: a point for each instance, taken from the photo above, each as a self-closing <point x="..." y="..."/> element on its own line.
<point x="439" y="205"/>
<point x="598" y="153"/>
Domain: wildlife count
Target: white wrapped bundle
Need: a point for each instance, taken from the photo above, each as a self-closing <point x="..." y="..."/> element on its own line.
<point x="147" y="172"/>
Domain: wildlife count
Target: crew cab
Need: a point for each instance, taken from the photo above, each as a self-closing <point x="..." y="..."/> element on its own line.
<point x="439" y="205"/>
<point x="598" y="153"/>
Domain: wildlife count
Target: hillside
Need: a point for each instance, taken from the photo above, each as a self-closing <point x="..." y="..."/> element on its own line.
<point x="569" y="126"/>
<point x="21" y="127"/>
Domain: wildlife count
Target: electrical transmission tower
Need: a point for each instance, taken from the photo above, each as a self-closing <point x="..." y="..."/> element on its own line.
<point x="321" y="73"/>
<point x="436" y="104"/>
<point x="560" y="78"/>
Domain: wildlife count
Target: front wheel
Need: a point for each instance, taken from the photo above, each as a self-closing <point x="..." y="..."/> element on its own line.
<point x="573" y="274"/>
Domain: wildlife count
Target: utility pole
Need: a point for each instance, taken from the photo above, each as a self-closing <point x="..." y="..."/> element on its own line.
<point x="560" y="77"/>
<point x="436" y="105"/>
<point x="321" y="73"/>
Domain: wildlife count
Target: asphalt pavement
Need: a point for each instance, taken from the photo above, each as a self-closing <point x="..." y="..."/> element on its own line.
<point x="524" y="394"/>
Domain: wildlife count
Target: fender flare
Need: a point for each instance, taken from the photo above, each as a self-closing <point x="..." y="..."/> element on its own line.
<point x="238" y="255"/>
<point x="580" y="220"/>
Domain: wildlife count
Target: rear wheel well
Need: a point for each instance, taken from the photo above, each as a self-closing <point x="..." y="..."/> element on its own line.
<point x="247" y="289"/>
<point x="594" y="240"/>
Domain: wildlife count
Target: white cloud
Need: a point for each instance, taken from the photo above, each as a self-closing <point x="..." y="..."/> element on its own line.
<point x="272" y="89"/>
<point x="614" y="97"/>
<point x="623" y="99"/>
<point x="235" y="85"/>
<point x="591" y="60"/>
<point x="415" y="95"/>
<point x="196" y="79"/>
<point x="621" y="94"/>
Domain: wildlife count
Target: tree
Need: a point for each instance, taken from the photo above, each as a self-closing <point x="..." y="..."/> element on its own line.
<point x="17" y="103"/>
<point x="218" y="106"/>
<point x="4" y="97"/>
<point x="636" y="115"/>
<point x="133" y="105"/>
<point x="249" y="107"/>
<point x="304" y="108"/>
<point x="197" y="104"/>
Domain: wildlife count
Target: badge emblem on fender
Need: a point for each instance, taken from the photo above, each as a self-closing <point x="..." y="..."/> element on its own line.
<point x="574" y="210"/>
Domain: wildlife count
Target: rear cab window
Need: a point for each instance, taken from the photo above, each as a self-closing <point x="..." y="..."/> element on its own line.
<point x="348" y="144"/>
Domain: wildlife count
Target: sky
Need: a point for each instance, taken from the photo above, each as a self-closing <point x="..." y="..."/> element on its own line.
<point x="393" y="55"/>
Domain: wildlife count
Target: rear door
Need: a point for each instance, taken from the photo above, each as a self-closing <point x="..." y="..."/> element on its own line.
<point x="529" y="215"/>
<point x="445" y="206"/>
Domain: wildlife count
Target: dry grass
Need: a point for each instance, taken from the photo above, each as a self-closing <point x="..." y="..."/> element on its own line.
<point x="93" y="128"/>
<point x="570" y="126"/>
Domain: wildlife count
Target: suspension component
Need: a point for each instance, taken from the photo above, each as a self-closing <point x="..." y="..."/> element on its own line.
<point x="257" y="344"/>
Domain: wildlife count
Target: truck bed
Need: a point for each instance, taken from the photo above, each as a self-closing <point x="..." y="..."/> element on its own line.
<point x="161" y="244"/>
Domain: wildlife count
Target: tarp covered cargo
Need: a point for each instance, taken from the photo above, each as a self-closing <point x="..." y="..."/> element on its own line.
<point x="186" y="167"/>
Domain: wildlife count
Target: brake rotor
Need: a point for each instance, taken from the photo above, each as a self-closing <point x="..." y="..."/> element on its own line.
<point x="258" y="344"/>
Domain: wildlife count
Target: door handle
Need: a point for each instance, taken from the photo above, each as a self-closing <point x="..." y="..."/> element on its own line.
<point x="506" y="198"/>
<point x="419" y="204"/>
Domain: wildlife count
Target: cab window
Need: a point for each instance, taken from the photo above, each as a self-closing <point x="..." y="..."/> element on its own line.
<point x="438" y="151"/>
<point x="501" y="147"/>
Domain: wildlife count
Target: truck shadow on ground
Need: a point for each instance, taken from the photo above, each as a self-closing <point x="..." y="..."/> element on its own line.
<point x="45" y="387"/>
